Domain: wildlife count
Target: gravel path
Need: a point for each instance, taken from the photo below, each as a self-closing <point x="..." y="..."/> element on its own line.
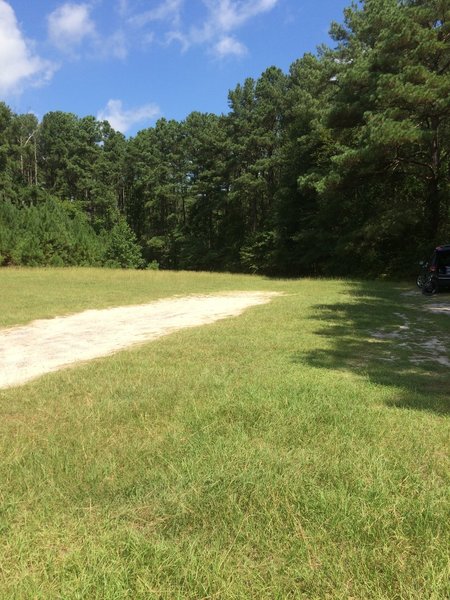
<point x="46" y="345"/>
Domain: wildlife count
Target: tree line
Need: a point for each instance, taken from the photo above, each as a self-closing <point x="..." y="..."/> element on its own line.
<point x="339" y="166"/>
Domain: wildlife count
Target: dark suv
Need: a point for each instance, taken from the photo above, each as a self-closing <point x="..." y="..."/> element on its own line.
<point x="437" y="270"/>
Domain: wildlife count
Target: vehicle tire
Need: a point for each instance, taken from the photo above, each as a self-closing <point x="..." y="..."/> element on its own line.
<point x="430" y="288"/>
<point x="420" y="281"/>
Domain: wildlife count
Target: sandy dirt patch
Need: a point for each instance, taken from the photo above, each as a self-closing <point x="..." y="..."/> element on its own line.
<point x="432" y="303"/>
<point x="47" y="345"/>
<point x="414" y="339"/>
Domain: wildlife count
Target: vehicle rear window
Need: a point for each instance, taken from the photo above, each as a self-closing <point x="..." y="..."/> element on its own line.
<point x="443" y="258"/>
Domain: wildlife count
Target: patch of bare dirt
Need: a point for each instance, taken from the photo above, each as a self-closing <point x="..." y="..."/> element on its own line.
<point x="46" y="345"/>
<point x="422" y="349"/>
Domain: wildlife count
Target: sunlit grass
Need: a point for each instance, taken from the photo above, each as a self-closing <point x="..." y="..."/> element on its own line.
<point x="45" y="292"/>
<point x="273" y="455"/>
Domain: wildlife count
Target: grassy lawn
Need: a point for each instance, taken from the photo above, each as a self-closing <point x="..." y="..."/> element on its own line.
<point x="41" y="293"/>
<point x="297" y="451"/>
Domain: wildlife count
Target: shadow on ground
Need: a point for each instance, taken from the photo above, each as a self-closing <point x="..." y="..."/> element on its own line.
<point x="390" y="335"/>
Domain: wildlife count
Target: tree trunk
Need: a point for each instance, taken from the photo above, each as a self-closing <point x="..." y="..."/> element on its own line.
<point x="433" y="198"/>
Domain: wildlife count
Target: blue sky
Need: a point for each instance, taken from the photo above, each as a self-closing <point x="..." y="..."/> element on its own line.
<point x="133" y="61"/>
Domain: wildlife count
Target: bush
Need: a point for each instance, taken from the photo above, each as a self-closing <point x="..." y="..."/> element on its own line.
<point x="122" y="249"/>
<point x="153" y="265"/>
<point x="50" y="233"/>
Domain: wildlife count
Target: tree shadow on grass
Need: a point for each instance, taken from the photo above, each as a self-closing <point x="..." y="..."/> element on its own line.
<point x="390" y="335"/>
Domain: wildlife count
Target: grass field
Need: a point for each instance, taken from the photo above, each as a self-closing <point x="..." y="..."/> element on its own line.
<point x="297" y="451"/>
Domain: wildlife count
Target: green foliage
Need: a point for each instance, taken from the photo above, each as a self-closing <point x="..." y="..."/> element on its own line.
<point x="153" y="266"/>
<point x="334" y="167"/>
<point x="258" y="254"/>
<point x="52" y="233"/>
<point x="382" y="177"/>
<point x="122" y="249"/>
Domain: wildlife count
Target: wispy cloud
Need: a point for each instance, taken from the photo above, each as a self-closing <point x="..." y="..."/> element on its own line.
<point x="227" y="46"/>
<point x="69" y="25"/>
<point x="216" y="29"/>
<point x="123" y="120"/>
<point x="19" y="65"/>
<point x="225" y="17"/>
<point x="210" y="23"/>
<point x="115" y="46"/>
<point x="168" y="10"/>
<point x="72" y="30"/>
<point x="228" y="15"/>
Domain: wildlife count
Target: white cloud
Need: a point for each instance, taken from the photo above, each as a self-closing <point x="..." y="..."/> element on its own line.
<point x="69" y="25"/>
<point x="227" y="46"/>
<point x="122" y="119"/>
<point x="168" y="10"/>
<point x="180" y="37"/>
<point x="19" y="66"/>
<point x="229" y="15"/>
<point x="223" y="18"/>
<point x="115" y="46"/>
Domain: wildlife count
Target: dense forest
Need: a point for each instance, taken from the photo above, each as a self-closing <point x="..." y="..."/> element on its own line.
<point x="340" y="166"/>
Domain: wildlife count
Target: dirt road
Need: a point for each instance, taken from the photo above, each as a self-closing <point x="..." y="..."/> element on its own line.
<point x="47" y="345"/>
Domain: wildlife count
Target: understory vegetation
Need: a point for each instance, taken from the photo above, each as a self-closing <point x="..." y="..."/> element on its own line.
<point x="340" y="166"/>
<point x="58" y="233"/>
<point x="299" y="450"/>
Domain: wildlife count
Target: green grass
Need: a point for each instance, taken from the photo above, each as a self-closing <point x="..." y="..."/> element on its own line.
<point x="29" y="294"/>
<point x="285" y="453"/>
